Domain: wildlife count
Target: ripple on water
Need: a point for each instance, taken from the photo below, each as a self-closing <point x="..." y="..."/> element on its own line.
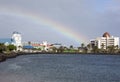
<point x="14" y="66"/>
<point x="61" y="68"/>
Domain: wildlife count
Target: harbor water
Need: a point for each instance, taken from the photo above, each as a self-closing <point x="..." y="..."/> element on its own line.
<point x="61" y="68"/>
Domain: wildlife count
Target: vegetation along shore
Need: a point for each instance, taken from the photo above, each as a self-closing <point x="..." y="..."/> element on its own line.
<point x="10" y="51"/>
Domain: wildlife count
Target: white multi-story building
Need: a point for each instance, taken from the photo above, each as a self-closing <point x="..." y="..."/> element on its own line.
<point x="105" y="41"/>
<point x="17" y="40"/>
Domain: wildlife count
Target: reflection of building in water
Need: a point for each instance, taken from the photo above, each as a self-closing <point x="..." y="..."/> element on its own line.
<point x="105" y="41"/>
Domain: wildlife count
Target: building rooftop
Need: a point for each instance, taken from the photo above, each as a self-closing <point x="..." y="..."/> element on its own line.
<point x="15" y="32"/>
<point x="106" y="34"/>
<point x="28" y="47"/>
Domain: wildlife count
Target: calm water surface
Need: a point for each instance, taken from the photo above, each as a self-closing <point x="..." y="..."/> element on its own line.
<point x="61" y="68"/>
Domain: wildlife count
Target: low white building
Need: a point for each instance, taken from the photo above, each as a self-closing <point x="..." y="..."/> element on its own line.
<point x="45" y="46"/>
<point x="105" y="41"/>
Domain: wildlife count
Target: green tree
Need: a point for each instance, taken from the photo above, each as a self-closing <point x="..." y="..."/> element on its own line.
<point x="102" y="48"/>
<point x="11" y="47"/>
<point x="95" y="49"/>
<point x="116" y="47"/>
<point x="61" y="49"/>
<point x="85" y="50"/>
<point x="111" y="49"/>
<point x="29" y="42"/>
<point x="88" y="46"/>
<point x="82" y="45"/>
<point x="2" y="48"/>
<point x="71" y="47"/>
<point x="54" y="49"/>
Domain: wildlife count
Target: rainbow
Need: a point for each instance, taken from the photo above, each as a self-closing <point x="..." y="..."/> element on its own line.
<point x="41" y="19"/>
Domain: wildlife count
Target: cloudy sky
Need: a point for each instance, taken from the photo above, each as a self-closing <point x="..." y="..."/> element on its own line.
<point x="87" y="19"/>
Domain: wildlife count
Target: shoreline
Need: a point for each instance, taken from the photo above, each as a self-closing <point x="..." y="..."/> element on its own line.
<point x="4" y="57"/>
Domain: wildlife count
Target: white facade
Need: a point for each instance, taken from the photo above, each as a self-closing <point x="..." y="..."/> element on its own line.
<point x="107" y="41"/>
<point x="17" y="40"/>
<point x="43" y="46"/>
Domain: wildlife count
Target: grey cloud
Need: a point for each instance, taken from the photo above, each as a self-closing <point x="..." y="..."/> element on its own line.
<point x="82" y="16"/>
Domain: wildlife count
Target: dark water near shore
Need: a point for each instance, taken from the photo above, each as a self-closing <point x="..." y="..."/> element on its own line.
<point x="61" y="68"/>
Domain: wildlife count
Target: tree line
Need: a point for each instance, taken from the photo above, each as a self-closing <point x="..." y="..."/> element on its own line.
<point x="6" y="48"/>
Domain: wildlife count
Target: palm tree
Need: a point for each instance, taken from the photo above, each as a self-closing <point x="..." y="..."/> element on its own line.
<point x="29" y="43"/>
<point x="54" y="49"/>
<point x="82" y="45"/>
<point x="111" y="49"/>
<point x="88" y="46"/>
<point x="71" y="47"/>
<point x="95" y="49"/>
<point x="102" y="47"/>
<point x="117" y="47"/>
<point x="61" y="49"/>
